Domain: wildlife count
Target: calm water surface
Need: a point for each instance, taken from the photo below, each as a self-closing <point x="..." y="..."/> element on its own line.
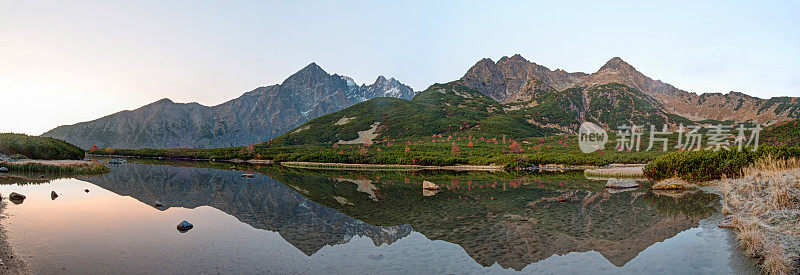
<point x="310" y="221"/>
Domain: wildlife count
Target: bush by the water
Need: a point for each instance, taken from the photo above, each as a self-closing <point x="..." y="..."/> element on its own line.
<point x="54" y="168"/>
<point x="17" y="145"/>
<point x="706" y="165"/>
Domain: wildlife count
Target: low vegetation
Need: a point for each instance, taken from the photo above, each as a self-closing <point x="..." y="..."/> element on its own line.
<point x="704" y="165"/>
<point x="764" y="209"/>
<point x="784" y="133"/>
<point x="56" y="167"/>
<point x="24" y="146"/>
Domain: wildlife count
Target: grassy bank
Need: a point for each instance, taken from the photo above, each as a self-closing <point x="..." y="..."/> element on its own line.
<point x="707" y="165"/>
<point x="24" y="146"/>
<point x="764" y="209"/>
<point x="56" y="167"/>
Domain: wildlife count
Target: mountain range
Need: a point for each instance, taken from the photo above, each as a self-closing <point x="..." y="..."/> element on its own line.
<point x="512" y="96"/>
<point x="254" y="117"/>
<point x="514" y="78"/>
<point x="518" y="98"/>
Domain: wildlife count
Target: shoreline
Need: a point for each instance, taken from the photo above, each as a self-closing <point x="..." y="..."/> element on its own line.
<point x="386" y="167"/>
<point x="10" y="264"/>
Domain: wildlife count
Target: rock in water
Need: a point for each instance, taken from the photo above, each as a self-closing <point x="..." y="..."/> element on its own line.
<point x="16" y="196"/>
<point x="427" y="185"/>
<point x="621" y="184"/>
<point x="249" y="176"/>
<point x="185" y="226"/>
<point x="3" y="170"/>
<point x="117" y="161"/>
<point x="158" y="204"/>
<point x="53" y="195"/>
<point x="86" y="190"/>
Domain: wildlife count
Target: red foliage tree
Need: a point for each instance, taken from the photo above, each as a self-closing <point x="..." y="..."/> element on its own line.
<point x="455" y="149"/>
<point x="515" y="147"/>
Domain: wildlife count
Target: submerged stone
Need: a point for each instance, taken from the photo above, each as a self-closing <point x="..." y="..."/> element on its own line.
<point x="621" y="184"/>
<point x="117" y="161"/>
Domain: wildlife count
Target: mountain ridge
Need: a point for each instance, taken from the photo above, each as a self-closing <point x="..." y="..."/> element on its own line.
<point x="253" y="117"/>
<point x="517" y="79"/>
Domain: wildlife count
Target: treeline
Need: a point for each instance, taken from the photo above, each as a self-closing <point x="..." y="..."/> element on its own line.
<point x="24" y="146"/>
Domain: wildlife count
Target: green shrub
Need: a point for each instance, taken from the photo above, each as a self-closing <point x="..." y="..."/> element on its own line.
<point x="706" y="165"/>
<point x="24" y="146"/>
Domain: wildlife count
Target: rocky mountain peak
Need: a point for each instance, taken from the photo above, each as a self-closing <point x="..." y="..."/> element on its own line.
<point x="617" y="64"/>
<point x="164" y="100"/>
<point x="518" y="57"/>
<point x="312" y="72"/>
<point x="382" y="80"/>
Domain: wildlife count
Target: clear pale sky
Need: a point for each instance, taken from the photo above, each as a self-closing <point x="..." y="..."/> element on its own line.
<point x="63" y="62"/>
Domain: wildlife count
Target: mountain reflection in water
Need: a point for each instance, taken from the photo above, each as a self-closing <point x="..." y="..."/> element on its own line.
<point x="512" y="220"/>
<point x="261" y="202"/>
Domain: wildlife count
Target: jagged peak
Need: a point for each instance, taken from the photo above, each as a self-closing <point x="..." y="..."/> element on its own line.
<point x="382" y="79"/>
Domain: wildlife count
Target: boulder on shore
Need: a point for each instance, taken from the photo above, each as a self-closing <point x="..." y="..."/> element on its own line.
<point x="157" y="204"/>
<point x="621" y="183"/>
<point x="3" y="170"/>
<point x="16" y="196"/>
<point x="185" y="226"/>
<point x="673" y="184"/>
<point x="427" y="185"/>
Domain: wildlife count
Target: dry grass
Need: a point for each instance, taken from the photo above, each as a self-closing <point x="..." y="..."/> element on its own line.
<point x="764" y="209"/>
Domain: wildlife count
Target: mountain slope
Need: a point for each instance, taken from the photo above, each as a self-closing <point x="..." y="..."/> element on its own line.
<point x="442" y="109"/>
<point x="254" y="117"/>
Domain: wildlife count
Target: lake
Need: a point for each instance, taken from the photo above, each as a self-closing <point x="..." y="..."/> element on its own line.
<point x="321" y="222"/>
